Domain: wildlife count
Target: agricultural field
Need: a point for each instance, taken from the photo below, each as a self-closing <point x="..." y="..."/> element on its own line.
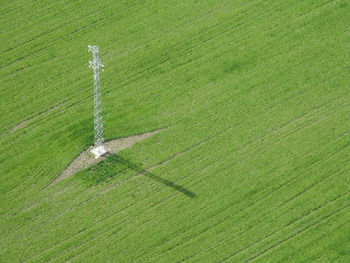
<point x="251" y="101"/>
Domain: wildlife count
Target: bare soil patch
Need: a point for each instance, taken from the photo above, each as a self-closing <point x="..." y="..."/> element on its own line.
<point x="87" y="159"/>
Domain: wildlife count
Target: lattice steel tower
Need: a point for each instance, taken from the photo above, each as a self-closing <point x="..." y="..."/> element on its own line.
<point x="95" y="64"/>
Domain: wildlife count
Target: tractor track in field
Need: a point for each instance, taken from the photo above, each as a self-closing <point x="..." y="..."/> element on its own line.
<point x="104" y="233"/>
<point x="280" y="243"/>
<point x="296" y="196"/>
<point x="23" y="123"/>
<point x="47" y="32"/>
<point x="266" y="237"/>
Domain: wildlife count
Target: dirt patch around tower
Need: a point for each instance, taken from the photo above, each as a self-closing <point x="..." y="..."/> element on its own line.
<point x="87" y="159"/>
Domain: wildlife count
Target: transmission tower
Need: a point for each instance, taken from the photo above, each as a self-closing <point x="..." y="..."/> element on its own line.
<point x="95" y="64"/>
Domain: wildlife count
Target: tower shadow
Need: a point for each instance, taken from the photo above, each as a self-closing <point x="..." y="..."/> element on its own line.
<point x="115" y="165"/>
<point x="166" y="182"/>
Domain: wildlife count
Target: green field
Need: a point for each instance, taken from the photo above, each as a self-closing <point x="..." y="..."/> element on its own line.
<point x="252" y="164"/>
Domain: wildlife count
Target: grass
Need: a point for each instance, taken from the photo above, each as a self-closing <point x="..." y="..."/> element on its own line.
<point x="253" y="165"/>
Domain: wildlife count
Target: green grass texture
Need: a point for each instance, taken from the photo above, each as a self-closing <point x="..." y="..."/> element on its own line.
<point x="252" y="164"/>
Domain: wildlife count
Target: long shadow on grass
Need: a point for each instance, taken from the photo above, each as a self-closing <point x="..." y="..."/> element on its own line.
<point x="115" y="165"/>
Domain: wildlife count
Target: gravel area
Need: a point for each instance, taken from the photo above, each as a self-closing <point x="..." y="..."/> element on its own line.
<point x="87" y="159"/>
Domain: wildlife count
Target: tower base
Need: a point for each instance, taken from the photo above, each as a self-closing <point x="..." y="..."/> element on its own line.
<point x="98" y="151"/>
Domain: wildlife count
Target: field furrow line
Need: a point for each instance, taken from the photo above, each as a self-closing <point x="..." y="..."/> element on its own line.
<point x="323" y="5"/>
<point x="236" y="253"/>
<point x="69" y="22"/>
<point x="298" y="195"/>
<point x="282" y="242"/>
<point x="24" y="4"/>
